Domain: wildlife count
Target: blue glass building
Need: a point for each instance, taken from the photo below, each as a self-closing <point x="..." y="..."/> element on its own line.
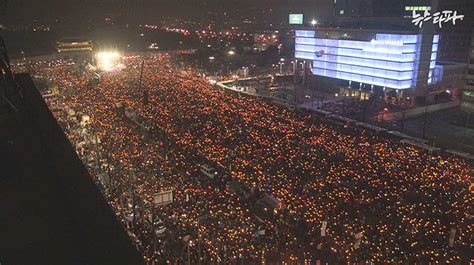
<point x="380" y="59"/>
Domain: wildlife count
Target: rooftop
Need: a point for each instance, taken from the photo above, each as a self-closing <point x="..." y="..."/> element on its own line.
<point x="52" y="212"/>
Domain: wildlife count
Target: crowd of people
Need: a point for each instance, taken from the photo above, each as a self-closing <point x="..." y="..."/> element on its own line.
<point x="346" y="194"/>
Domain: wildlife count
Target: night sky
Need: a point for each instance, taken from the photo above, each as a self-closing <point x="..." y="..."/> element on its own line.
<point x="45" y="10"/>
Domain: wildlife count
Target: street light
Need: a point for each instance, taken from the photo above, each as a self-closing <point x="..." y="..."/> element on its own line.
<point x="231" y="52"/>
<point x="314" y="22"/>
<point x="385" y="110"/>
<point x="245" y="71"/>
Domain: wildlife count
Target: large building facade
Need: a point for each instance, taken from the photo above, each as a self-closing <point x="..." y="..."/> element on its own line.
<point x="389" y="60"/>
<point x="456" y="39"/>
<point x="74" y="48"/>
<point x="468" y="93"/>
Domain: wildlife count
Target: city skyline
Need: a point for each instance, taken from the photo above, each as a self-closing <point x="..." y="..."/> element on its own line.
<point x="236" y="132"/>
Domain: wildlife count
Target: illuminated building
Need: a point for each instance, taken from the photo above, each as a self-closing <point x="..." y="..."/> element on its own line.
<point x="388" y="60"/>
<point x="397" y="14"/>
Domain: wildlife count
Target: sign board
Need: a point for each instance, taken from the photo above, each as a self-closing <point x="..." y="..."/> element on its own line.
<point x="296" y="19"/>
<point x="162" y="198"/>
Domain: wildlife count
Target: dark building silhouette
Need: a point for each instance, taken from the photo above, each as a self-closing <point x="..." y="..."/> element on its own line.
<point x="375" y="8"/>
<point x="468" y="93"/>
<point x="51" y="210"/>
<point x="456" y="39"/>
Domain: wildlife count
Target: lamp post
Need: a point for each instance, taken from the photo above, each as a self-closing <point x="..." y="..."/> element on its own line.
<point x="425" y="122"/>
<point x="245" y="71"/>
<point x="281" y="63"/>
<point x="385" y="110"/>
<point x="189" y="253"/>
<point x="467" y="126"/>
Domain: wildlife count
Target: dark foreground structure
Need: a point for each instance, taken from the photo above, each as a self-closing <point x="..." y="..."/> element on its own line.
<point x="51" y="212"/>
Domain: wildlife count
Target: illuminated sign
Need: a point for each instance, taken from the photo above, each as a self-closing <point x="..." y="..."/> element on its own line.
<point x="296" y="19"/>
<point x="438" y="17"/>
<point x="417" y="8"/>
<point x="384" y="42"/>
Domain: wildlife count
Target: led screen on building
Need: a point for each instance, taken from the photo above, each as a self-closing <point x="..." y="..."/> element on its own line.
<point x="388" y="60"/>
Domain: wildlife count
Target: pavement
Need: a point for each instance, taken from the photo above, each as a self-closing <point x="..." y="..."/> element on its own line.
<point x="441" y="129"/>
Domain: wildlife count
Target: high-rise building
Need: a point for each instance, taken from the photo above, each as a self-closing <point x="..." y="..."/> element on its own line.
<point x="378" y="14"/>
<point x="378" y="8"/>
<point x="382" y="60"/>
<point x="456" y="39"/>
<point x="468" y="93"/>
<point x="397" y="15"/>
